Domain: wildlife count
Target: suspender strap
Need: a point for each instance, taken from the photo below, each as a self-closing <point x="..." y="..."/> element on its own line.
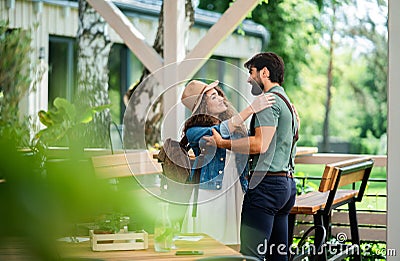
<point x="296" y="131"/>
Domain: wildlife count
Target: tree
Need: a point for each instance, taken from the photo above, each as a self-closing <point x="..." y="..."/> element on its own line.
<point x="372" y="93"/>
<point x="19" y="75"/>
<point x="329" y="82"/>
<point x="358" y="79"/>
<point x="292" y="25"/>
<point x="135" y="120"/>
<point x="369" y="89"/>
<point x="94" y="48"/>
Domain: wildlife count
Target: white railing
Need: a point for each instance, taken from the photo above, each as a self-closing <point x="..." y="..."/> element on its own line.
<point x="325" y="158"/>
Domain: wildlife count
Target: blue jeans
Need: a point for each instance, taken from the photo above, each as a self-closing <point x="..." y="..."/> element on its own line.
<point x="264" y="224"/>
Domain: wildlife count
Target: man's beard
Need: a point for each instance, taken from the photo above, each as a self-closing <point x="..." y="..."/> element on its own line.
<point x="257" y="87"/>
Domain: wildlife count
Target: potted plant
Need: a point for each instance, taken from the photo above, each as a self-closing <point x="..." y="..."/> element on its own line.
<point x="64" y="123"/>
<point x="110" y="223"/>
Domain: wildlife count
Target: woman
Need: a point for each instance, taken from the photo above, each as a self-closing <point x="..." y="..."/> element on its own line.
<point x="220" y="195"/>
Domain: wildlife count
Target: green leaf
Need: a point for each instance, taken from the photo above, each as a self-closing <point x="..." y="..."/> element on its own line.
<point x="85" y="117"/>
<point x="64" y="105"/>
<point x="45" y="118"/>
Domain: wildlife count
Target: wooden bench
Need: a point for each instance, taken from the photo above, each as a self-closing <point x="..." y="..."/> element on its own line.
<point x="333" y="192"/>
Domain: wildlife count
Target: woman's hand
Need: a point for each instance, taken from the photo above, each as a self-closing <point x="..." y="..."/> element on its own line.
<point x="262" y="102"/>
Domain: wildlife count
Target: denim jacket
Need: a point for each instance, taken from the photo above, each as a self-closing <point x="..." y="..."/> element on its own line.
<point x="212" y="159"/>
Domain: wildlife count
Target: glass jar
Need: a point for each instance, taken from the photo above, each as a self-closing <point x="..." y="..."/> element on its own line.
<point x="163" y="230"/>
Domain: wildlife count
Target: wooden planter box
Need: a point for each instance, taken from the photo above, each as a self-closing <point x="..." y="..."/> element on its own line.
<point x="119" y="241"/>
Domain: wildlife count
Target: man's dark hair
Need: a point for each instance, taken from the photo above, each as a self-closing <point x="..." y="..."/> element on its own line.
<point x="272" y="61"/>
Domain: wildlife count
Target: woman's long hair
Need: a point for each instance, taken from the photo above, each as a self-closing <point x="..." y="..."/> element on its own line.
<point x="201" y="118"/>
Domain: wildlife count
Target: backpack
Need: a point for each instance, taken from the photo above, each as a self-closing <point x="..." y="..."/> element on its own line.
<point x="177" y="166"/>
<point x="175" y="160"/>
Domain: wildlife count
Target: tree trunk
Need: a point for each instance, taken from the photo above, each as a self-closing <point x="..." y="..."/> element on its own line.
<point x="146" y="92"/>
<point x="94" y="46"/>
<point x="325" y="134"/>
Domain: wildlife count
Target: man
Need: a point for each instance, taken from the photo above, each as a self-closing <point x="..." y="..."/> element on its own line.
<point x="272" y="191"/>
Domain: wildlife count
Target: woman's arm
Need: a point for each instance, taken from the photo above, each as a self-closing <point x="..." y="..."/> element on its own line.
<point x="225" y="129"/>
<point x="256" y="144"/>
<point x="260" y="103"/>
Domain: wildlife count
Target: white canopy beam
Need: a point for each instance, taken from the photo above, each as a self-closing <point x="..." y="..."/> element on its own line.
<point x="217" y="33"/>
<point x="131" y="36"/>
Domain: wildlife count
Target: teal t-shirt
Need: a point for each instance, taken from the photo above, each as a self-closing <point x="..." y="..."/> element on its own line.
<point x="277" y="156"/>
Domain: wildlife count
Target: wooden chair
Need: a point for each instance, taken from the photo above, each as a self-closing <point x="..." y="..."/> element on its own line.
<point x="332" y="194"/>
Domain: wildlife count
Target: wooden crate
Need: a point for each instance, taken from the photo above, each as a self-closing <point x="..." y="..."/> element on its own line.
<point x="119" y="241"/>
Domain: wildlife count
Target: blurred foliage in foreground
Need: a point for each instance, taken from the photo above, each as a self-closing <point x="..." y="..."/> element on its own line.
<point x="40" y="204"/>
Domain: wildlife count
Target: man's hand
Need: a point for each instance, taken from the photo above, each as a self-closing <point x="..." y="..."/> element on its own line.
<point x="214" y="140"/>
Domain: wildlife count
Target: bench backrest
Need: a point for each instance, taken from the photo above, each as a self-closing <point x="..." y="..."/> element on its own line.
<point x="351" y="171"/>
<point x="344" y="173"/>
<point x="126" y="164"/>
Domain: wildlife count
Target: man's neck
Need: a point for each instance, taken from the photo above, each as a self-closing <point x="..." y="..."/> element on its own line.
<point x="268" y="86"/>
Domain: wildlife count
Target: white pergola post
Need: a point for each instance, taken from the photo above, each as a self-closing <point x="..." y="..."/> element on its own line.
<point x="174" y="52"/>
<point x="393" y="129"/>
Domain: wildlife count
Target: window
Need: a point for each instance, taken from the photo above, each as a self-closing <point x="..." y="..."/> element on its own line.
<point x="124" y="70"/>
<point x="62" y="69"/>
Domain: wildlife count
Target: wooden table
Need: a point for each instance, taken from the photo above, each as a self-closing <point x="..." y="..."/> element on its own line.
<point x="208" y="245"/>
<point x="301" y="151"/>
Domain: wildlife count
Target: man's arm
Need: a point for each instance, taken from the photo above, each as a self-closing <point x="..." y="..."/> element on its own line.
<point x="256" y="144"/>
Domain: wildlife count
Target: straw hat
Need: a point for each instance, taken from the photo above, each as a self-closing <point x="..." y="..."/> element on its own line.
<point x="193" y="93"/>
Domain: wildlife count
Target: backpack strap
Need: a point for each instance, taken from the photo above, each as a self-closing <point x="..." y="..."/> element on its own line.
<point x="184" y="143"/>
